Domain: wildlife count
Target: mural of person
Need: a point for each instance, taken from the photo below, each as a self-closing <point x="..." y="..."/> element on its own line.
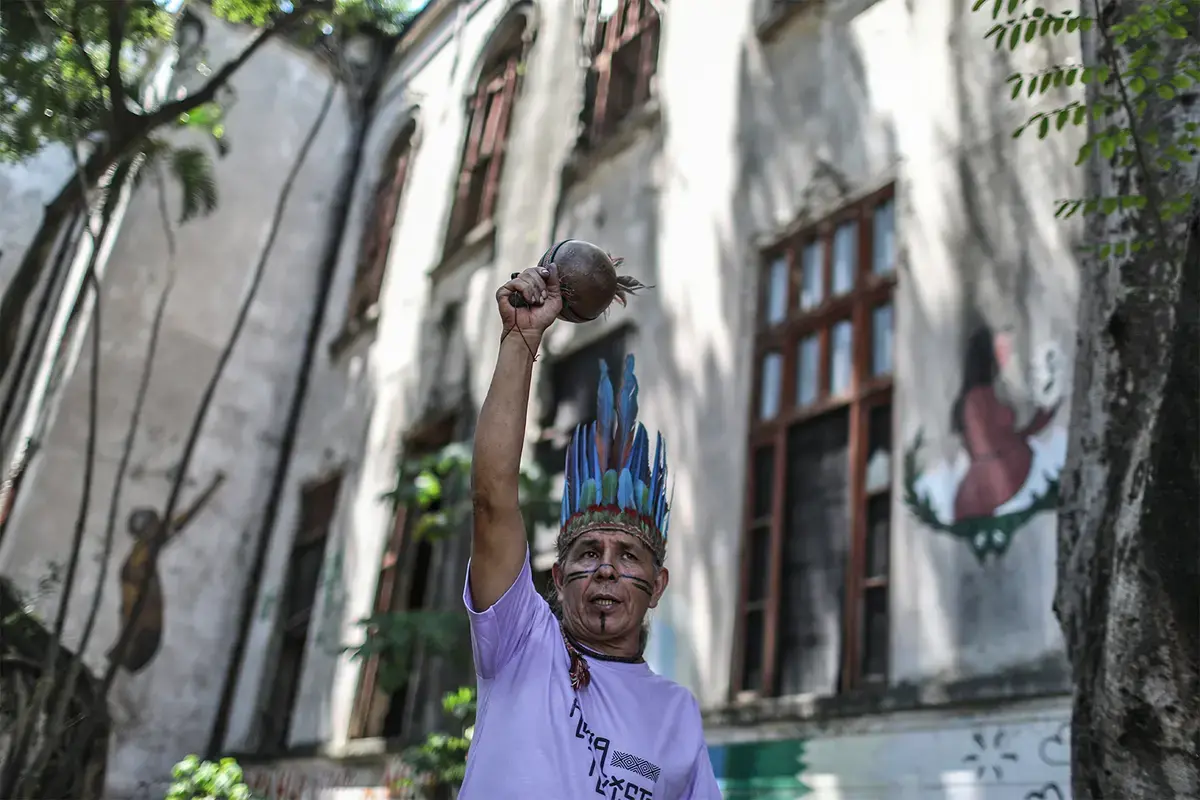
<point x="1006" y="471"/>
<point x="141" y="569"/>
<point x="1000" y="454"/>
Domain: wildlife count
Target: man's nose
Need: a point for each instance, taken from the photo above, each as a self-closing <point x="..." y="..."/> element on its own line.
<point x="606" y="572"/>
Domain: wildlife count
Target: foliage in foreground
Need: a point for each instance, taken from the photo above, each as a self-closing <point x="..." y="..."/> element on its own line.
<point x="441" y="760"/>
<point x="435" y="491"/>
<point x="193" y="779"/>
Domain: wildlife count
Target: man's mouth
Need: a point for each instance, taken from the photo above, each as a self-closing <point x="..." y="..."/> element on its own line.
<point x="605" y="602"/>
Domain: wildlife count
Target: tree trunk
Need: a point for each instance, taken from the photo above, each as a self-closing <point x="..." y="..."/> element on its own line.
<point x="1128" y="595"/>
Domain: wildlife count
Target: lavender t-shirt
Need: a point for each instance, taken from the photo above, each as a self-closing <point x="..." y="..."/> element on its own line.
<point x="628" y="735"/>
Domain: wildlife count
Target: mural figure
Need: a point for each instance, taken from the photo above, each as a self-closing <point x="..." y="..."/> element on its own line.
<point x="149" y="537"/>
<point x="1006" y="471"/>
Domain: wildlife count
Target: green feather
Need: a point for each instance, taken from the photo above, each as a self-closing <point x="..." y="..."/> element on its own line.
<point x="609" y="493"/>
<point x="589" y="494"/>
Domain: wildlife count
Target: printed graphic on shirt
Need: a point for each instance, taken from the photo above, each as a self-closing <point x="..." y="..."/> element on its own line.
<point x="645" y="774"/>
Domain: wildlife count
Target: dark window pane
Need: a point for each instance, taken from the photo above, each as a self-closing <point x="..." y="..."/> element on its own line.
<point x="845" y="257"/>
<point x="764" y="478"/>
<point x="875" y="634"/>
<point x="752" y="654"/>
<point x="770" y="383"/>
<point x="881" y="340"/>
<point x="816" y="531"/>
<point x="879" y="519"/>
<point x="812" y="277"/>
<point x="302" y="583"/>
<point x="808" y="369"/>
<point x="879" y="449"/>
<point x="775" y="292"/>
<point x="883" y="255"/>
<point x="841" y="358"/>
<point x="758" y="576"/>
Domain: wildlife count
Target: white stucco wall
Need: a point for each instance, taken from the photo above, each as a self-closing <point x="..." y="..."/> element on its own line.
<point x="25" y="188"/>
<point x="167" y="710"/>
<point x="364" y="398"/>
<point x="689" y="201"/>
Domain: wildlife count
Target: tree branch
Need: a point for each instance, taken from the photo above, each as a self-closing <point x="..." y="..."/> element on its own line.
<point x="77" y="36"/>
<point x="116" y="89"/>
<point x="208" y="92"/>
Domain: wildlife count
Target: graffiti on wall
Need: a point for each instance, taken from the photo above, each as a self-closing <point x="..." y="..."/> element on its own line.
<point x="1007" y="759"/>
<point x="1006" y="468"/>
<point x="139" y="574"/>
<point x="315" y="780"/>
<point x="760" y="770"/>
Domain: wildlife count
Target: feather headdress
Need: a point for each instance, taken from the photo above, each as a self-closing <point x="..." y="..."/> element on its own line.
<point x="612" y="483"/>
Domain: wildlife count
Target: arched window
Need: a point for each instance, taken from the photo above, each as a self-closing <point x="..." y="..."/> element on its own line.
<point x="377" y="233"/>
<point x="490" y="114"/>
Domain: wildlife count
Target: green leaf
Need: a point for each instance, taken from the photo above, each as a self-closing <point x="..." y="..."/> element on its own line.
<point x="1070" y="76"/>
<point x="1108" y="147"/>
<point x="1175" y="30"/>
<point x="1014" y="37"/>
<point x="1085" y="152"/>
<point x="1031" y="31"/>
<point x="1137" y="85"/>
<point x="193" y="169"/>
<point x="1061" y="119"/>
<point x="1043" y="127"/>
<point x="1165" y="91"/>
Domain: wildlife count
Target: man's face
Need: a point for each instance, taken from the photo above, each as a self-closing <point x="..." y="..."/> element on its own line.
<point x="606" y="583"/>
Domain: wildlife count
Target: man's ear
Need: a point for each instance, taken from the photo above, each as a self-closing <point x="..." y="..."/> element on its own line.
<point x="557" y="573"/>
<point x="661" y="579"/>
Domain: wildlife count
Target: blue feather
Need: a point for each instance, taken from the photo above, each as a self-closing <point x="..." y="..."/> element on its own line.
<point x="655" y="472"/>
<point x="625" y="497"/>
<point x="641" y="496"/>
<point x="593" y="455"/>
<point x="627" y="410"/>
<point x="604" y="415"/>
<point x="565" y="513"/>
<point x="637" y="456"/>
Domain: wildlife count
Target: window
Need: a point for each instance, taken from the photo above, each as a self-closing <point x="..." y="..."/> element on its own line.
<point x="317" y="504"/>
<point x="814" y="598"/>
<point x="403" y="585"/>
<point x="490" y="112"/>
<point x="377" y="233"/>
<point x="624" y="61"/>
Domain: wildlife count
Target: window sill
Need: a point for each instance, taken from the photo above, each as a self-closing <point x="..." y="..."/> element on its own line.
<point x="1049" y="678"/>
<point x="777" y="15"/>
<point x="364" y="324"/>
<point x="588" y="156"/>
<point x="480" y="240"/>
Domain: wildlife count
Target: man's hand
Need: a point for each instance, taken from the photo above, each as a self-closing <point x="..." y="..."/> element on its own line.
<point x="542" y="295"/>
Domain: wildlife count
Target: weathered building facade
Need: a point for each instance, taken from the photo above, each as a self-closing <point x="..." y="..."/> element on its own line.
<point x="856" y="346"/>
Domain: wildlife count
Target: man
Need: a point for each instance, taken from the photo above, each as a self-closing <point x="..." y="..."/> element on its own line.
<point x="568" y="708"/>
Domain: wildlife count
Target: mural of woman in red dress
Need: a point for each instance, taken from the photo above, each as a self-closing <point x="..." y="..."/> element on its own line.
<point x="999" y="452"/>
<point x="1005" y="472"/>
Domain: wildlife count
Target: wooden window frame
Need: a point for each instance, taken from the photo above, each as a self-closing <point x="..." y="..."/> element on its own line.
<point x="868" y="292"/>
<point x="377" y="233"/>
<point x="392" y="575"/>
<point x="634" y="32"/>
<point x="317" y="514"/>
<point x="485" y="146"/>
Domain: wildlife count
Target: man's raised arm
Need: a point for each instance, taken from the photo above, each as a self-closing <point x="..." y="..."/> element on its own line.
<point x="498" y="545"/>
